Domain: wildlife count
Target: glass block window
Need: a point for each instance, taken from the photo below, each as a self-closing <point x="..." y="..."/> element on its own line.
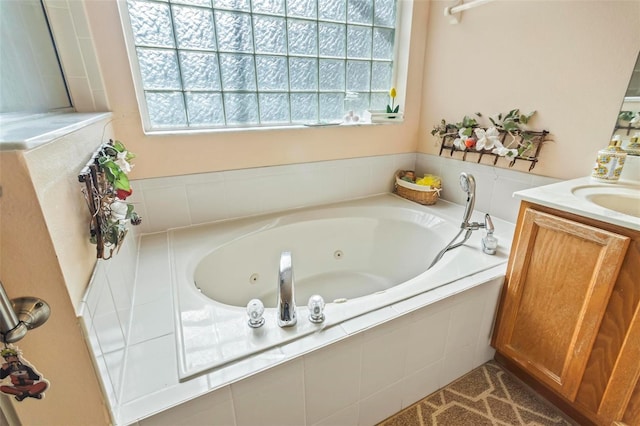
<point x="246" y="63"/>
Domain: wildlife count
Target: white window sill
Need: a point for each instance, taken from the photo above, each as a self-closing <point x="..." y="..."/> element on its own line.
<point x="196" y="131"/>
<point x="27" y="131"/>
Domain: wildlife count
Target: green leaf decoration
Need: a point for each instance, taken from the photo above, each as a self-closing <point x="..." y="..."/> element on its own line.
<point x="122" y="182"/>
<point x="129" y="211"/>
<point x="112" y="171"/>
<point x="509" y="125"/>
<point x="396" y="109"/>
<point x="626" y="115"/>
<point x="119" y="146"/>
<point x="388" y="109"/>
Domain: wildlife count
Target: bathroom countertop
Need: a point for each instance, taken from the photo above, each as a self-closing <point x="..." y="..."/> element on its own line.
<point x="561" y="196"/>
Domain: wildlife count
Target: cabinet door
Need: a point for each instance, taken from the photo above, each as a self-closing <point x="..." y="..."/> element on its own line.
<point x="559" y="281"/>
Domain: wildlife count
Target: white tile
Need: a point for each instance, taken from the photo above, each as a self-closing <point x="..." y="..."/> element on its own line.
<point x="426" y="341"/>
<point x="466" y="316"/>
<point x="368" y="320"/>
<point x="96" y="285"/>
<point x="114" y="362"/>
<point x="332" y="378"/>
<point x="91" y="63"/>
<point x="331" y="183"/>
<point x="383" y="170"/>
<point x="89" y="331"/>
<point x="450" y="176"/>
<point x="151" y="320"/>
<point x="357" y="182"/>
<point x="162" y="400"/>
<point x="537" y="180"/>
<point x="383" y="356"/>
<point x="405" y="161"/>
<point x="456" y="364"/>
<point x="62" y="25"/>
<point x="151" y="367"/>
<point x="421" y="383"/>
<point x="81" y="93"/>
<point x="484" y="352"/>
<point x="109" y="332"/>
<point x="381" y="405"/>
<point x="503" y="205"/>
<point x="347" y="416"/>
<point x="273" y="397"/>
<point x="166" y="208"/>
<point x="121" y="283"/>
<point x="154" y="273"/>
<point x="206" y="202"/>
<point x="214" y="408"/>
<point x="101" y="101"/>
<point x="76" y="8"/>
<point x="313" y="341"/>
<point x="485" y="184"/>
<point x="169" y="182"/>
<point x="105" y="382"/>
<point x="245" y="367"/>
<point x="240" y="196"/>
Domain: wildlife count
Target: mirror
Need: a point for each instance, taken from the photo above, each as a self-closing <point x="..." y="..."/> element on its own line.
<point x="32" y="79"/>
<point x="628" y="123"/>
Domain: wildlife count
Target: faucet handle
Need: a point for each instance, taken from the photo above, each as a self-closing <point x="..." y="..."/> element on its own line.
<point x="255" y="310"/>
<point x="489" y="242"/>
<point x="488" y="224"/>
<point x="316" y="306"/>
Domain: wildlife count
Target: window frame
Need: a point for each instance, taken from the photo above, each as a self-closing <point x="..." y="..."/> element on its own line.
<point x="149" y="129"/>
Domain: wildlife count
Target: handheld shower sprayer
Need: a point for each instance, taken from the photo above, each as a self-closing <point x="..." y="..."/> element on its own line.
<point x="468" y="185"/>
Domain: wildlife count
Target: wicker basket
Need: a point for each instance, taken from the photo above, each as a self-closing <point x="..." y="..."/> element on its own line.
<point x="418" y="193"/>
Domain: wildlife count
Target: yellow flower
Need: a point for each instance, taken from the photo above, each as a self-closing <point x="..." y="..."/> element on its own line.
<point x="392" y="92"/>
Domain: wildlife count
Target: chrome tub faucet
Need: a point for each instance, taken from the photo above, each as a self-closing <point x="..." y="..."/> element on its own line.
<point x="286" y="299"/>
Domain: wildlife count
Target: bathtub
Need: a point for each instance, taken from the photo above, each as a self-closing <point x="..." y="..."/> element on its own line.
<point x="361" y="256"/>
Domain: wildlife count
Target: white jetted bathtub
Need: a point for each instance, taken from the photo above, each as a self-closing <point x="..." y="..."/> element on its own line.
<point x="360" y="256"/>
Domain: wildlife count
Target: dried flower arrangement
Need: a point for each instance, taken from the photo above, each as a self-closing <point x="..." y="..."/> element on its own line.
<point x="468" y="136"/>
<point x="106" y="190"/>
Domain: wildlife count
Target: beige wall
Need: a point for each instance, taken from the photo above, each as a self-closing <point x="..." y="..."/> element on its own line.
<point x="30" y="266"/>
<point x="174" y="155"/>
<point x="569" y="60"/>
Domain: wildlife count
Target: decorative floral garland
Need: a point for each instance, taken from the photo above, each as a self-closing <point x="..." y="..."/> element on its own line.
<point x="107" y="188"/>
<point x="469" y="134"/>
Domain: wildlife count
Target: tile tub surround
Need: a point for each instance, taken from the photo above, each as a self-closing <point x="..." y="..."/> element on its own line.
<point x="494" y="186"/>
<point x="137" y="359"/>
<point x="357" y="380"/>
<point x="166" y="203"/>
<point x="171" y="202"/>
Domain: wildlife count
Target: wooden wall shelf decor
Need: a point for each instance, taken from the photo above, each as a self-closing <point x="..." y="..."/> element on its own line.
<point x="531" y="154"/>
<point x="508" y="137"/>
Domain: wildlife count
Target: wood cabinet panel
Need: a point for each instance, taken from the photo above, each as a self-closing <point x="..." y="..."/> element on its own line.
<point x="632" y="413"/>
<point x="609" y="381"/>
<point x="560" y="277"/>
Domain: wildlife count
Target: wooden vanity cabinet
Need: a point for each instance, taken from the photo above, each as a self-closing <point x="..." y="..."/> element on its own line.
<point x="569" y="318"/>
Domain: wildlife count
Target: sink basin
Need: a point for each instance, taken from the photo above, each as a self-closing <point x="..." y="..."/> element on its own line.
<point x="621" y="198"/>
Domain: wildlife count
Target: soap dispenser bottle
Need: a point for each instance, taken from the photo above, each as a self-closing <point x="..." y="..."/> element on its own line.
<point x="634" y="145"/>
<point x="609" y="162"/>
